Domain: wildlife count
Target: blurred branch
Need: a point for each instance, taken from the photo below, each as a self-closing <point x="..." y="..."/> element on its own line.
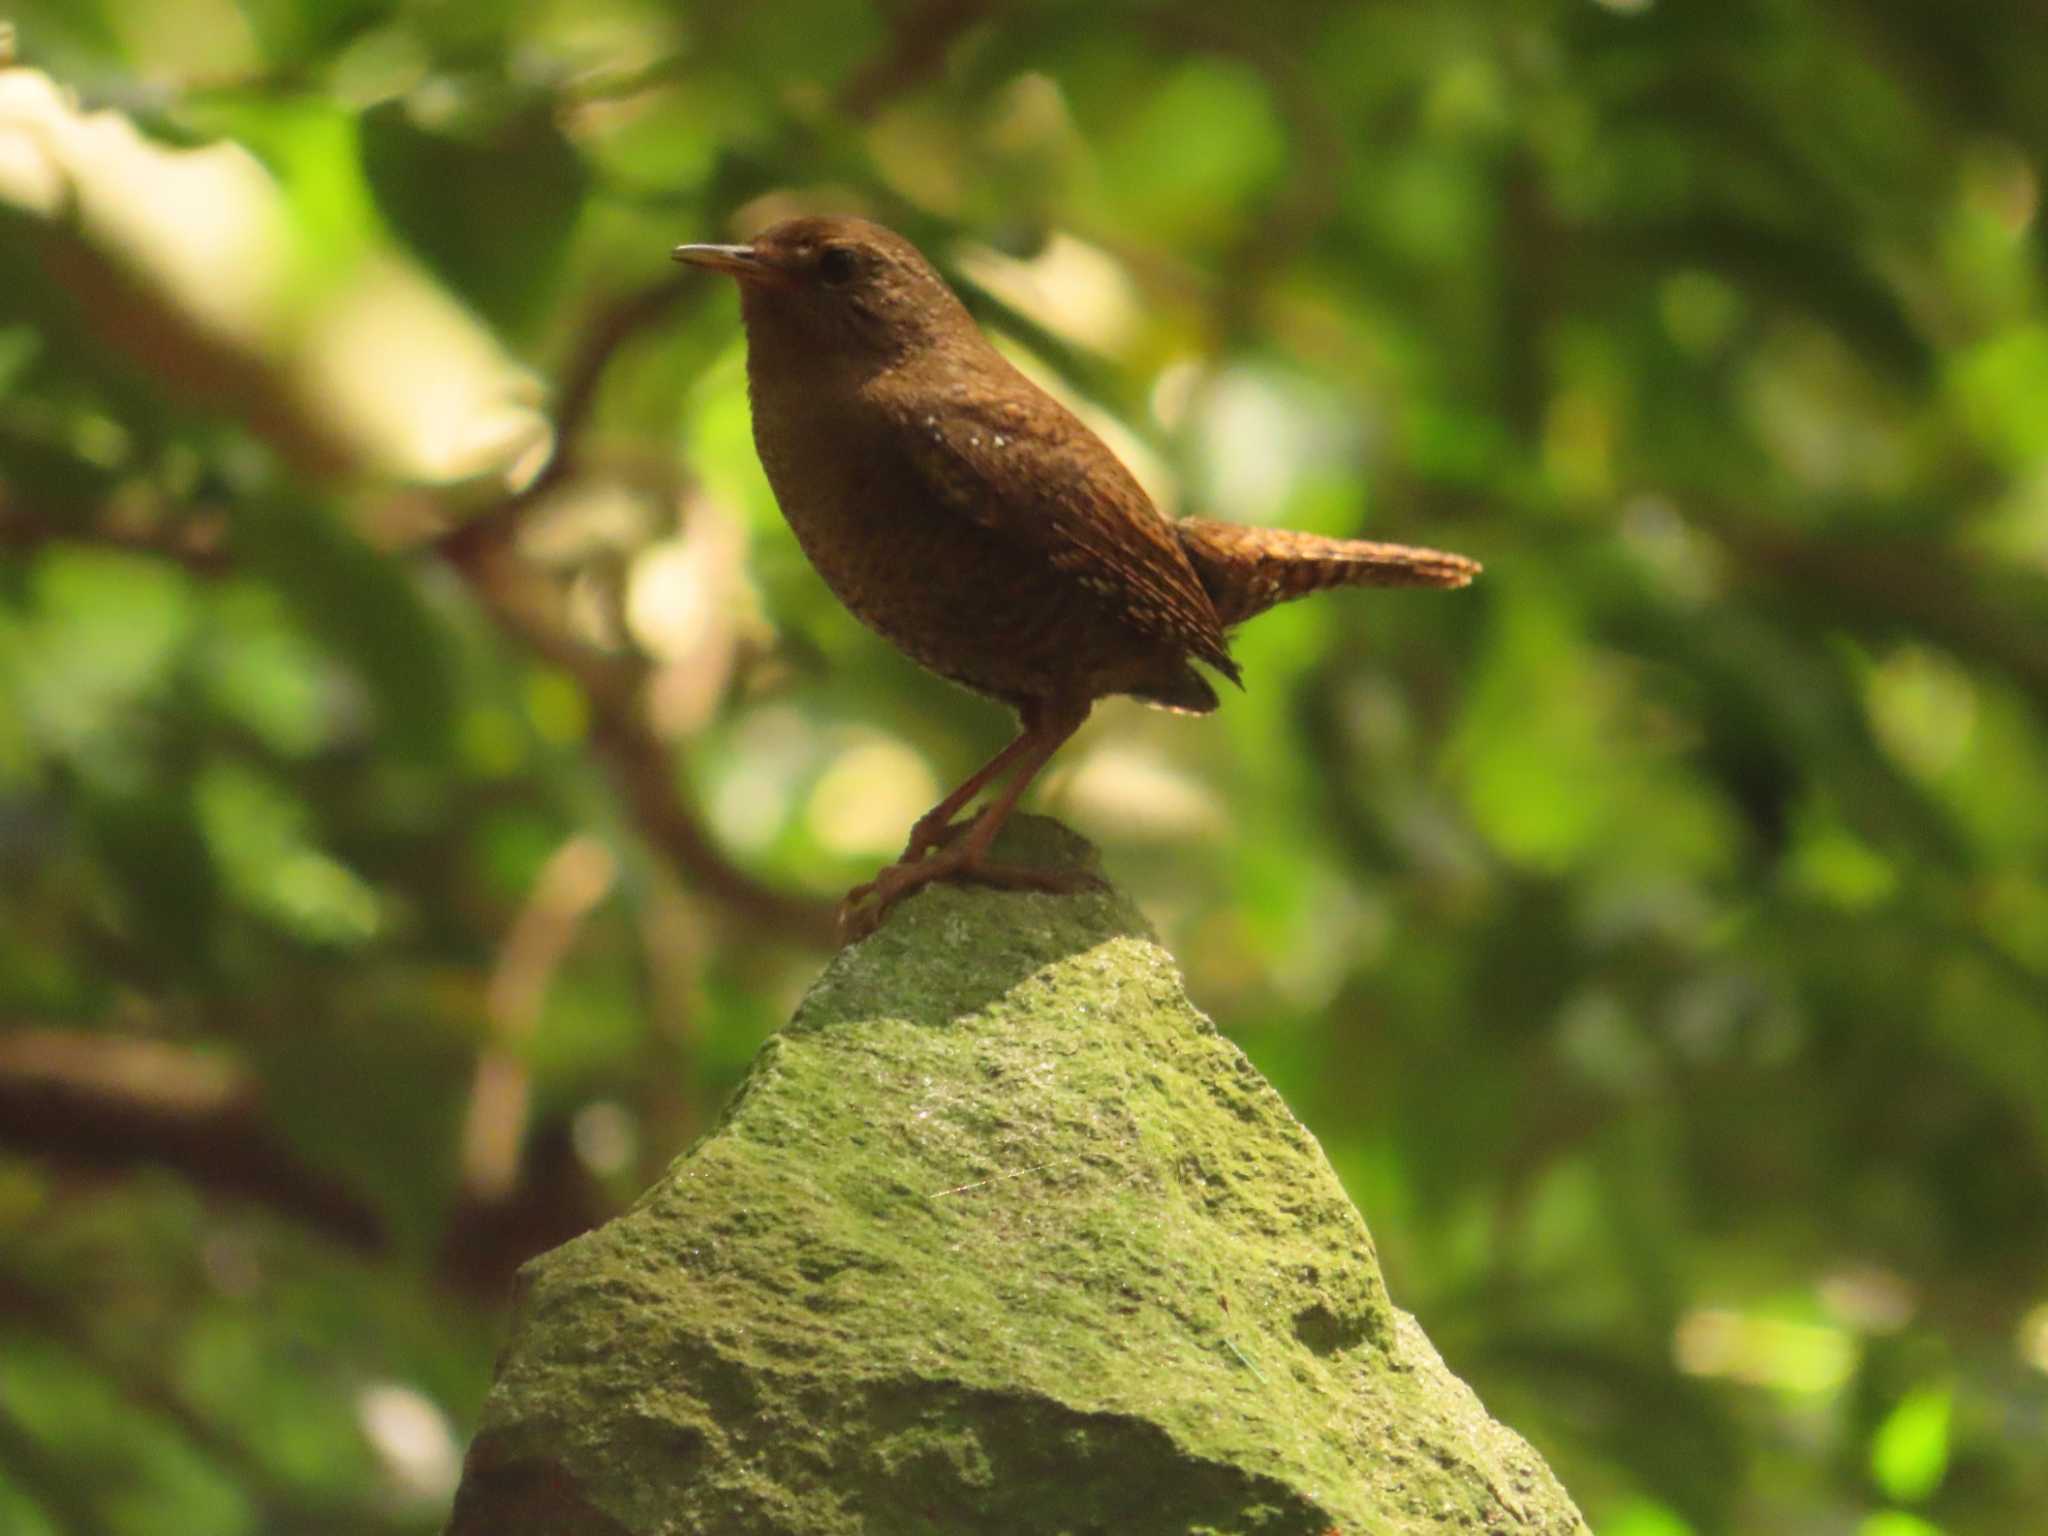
<point x="569" y="887"/>
<point x="484" y="1241"/>
<point x="39" y="1475"/>
<point x="114" y="1101"/>
<point x="192" y="542"/>
<point x="615" y="324"/>
<point x="920" y="36"/>
<point x="1918" y="586"/>
<point x="640" y="764"/>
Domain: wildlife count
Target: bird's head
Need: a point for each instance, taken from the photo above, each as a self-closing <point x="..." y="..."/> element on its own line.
<point x="839" y="285"/>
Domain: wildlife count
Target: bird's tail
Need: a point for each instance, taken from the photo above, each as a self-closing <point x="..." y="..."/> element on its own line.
<point x="1248" y="570"/>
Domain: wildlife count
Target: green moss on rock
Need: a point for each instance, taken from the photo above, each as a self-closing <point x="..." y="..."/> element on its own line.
<point x="999" y="1235"/>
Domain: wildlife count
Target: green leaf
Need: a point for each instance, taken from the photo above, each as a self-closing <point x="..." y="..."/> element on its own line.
<point x="67" y="30"/>
<point x="310" y="147"/>
<point x="168" y="887"/>
<point x="107" y="634"/>
<point x="257" y="832"/>
<point x="261" y="671"/>
<point x="1645" y="1517"/>
<point x="491" y="210"/>
<point x="366" y="606"/>
<point x="1196" y="150"/>
<point x="2000" y="388"/>
<point x="295" y="30"/>
<point x="1909" y="1453"/>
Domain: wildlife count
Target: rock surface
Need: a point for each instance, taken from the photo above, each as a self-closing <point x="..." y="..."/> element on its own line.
<point x="999" y="1235"/>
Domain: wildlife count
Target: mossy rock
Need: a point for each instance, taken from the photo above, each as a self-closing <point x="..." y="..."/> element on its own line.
<point x="998" y="1235"/>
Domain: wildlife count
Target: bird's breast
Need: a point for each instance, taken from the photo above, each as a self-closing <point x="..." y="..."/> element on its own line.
<point x="953" y="595"/>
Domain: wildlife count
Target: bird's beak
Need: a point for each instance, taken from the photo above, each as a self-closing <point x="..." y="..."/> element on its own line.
<point x="740" y="261"/>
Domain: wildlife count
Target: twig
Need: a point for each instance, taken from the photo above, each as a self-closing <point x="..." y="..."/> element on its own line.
<point x="640" y="764"/>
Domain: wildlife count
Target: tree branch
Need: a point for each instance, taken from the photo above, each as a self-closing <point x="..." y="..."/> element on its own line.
<point x="616" y="323"/>
<point x="637" y="758"/>
<point x="567" y="890"/>
<point x="109" y="1101"/>
<point x="919" y="40"/>
<point x="115" y="1101"/>
<point x="195" y="542"/>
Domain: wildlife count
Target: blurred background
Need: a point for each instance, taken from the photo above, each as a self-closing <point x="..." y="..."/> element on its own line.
<point x="427" y="763"/>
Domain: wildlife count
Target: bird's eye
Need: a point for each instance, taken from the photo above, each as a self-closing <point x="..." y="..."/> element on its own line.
<point x="835" y="264"/>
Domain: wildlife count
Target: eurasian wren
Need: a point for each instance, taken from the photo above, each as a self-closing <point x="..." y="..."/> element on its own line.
<point x="970" y="518"/>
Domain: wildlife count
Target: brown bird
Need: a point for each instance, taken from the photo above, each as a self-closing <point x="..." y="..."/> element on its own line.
<point x="970" y="518"/>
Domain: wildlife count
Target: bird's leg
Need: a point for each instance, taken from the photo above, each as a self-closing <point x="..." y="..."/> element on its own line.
<point x="936" y="826"/>
<point x="965" y="857"/>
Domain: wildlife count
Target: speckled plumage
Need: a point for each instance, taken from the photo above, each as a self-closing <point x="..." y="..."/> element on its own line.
<point x="971" y="519"/>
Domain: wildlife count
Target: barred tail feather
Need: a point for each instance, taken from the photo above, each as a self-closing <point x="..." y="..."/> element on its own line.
<point x="1248" y="570"/>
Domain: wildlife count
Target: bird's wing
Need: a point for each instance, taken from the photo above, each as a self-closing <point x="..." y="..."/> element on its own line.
<point x="1028" y="469"/>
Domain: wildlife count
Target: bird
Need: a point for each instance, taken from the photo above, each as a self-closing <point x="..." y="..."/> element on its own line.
<point x="975" y="522"/>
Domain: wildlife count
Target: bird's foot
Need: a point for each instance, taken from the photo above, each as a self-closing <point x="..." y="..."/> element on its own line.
<point x="933" y="832"/>
<point x="861" y="913"/>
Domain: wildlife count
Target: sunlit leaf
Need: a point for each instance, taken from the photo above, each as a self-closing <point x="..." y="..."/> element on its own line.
<point x="1644" y="1518"/>
<point x="1896" y="1522"/>
<point x="1910" y="1451"/>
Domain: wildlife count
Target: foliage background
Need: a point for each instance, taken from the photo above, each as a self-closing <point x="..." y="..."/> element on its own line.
<point x="425" y="758"/>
